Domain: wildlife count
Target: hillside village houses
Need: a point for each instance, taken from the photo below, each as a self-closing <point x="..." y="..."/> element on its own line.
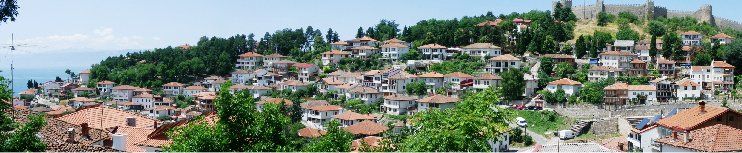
<point x="135" y="108"/>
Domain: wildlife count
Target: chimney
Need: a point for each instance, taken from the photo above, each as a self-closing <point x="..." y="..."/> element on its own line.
<point x="687" y="137"/>
<point x="674" y="135"/>
<point x="131" y="121"/>
<point x="70" y="135"/>
<point x="119" y="141"/>
<point x="155" y="125"/>
<point x="85" y="130"/>
<point x="702" y="104"/>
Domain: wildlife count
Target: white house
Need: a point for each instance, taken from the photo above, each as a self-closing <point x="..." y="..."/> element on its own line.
<point x="172" y="89"/>
<point x="398" y="104"/>
<point x="397" y="82"/>
<point x="366" y="94"/>
<point x="275" y="57"/>
<point x="305" y="71"/>
<point x="105" y="87"/>
<point x="436" y="101"/>
<point x="293" y="85"/>
<point x="569" y="86"/>
<point x="691" y="38"/>
<point x="531" y="84"/>
<point x="123" y="93"/>
<point x="340" y="45"/>
<point x="502" y="63"/>
<point x="617" y="59"/>
<point x="433" y="51"/>
<point x="240" y="76"/>
<point x="646" y="94"/>
<point x="722" y="38"/>
<point x="318" y="116"/>
<point x="486" y="80"/>
<point x="687" y="89"/>
<point x="84" y="77"/>
<point x="333" y="56"/>
<point x="363" y="51"/>
<point x="597" y="73"/>
<point x="364" y="41"/>
<point x="624" y="45"/>
<point x="482" y="50"/>
<point x="458" y="80"/>
<point x="249" y="60"/>
<point x="393" y="51"/>
<point x="190" y="90"/>
<point x="348" y="118"/>
<point x="145" y="100"/>
<point x="264" y="77"/>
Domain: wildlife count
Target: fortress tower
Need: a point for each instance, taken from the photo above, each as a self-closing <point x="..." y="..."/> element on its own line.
<point x="704" y="14"/>
<point x="649" y="9"/>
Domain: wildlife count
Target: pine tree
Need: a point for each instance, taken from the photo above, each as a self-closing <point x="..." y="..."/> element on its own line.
<point x="580" y="47"/>
<point x="360" y="33"/>
<point x="653" y="46"/>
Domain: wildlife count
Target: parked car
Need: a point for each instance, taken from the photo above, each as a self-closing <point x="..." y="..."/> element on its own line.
<point x="521" y="121"/>
<point x="519" y="107"/>
<point x="534" y="108"/>
<point x="566" y="134"/>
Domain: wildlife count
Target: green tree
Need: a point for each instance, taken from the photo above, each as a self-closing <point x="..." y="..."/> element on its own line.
<point x="653" y="46"/>
<point x="702" y="59"/>
<point x="29" y="84"/>
<point x="580" y="47"/>
<point x="336" y="140"/>
<point x="386" y="29"/>
<point x="198" y="136"/>
<point x="512" y="85"/>
<point x="8" y="10"/>
<point x="626" y="33"/>
<point x="564" y="70"/>
<point x="547" y="65"/>
<point x="582" y="73"/>
<point x="672" y="46"/>
<point x="411" y="55"/>
<point x="16" y="137"/>
<point x="604" y="18"/>
<point x="467" y="127"/>
<point x="656" y="28"/>
<point x="593" y="92"/>
<point x="417" y="88"/>
<point x="733" y="55"/>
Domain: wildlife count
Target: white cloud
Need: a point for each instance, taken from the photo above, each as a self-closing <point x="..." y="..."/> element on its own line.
<point x="103" y="38"/>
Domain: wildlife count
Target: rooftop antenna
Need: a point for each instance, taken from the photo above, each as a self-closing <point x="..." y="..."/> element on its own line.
<point x="12" y="47"/>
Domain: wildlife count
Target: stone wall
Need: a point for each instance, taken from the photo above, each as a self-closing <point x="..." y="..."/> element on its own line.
<point x="604" y="126"/>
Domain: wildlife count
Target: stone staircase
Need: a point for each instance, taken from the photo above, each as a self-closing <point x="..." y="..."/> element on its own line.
<point x="582" y="126"/>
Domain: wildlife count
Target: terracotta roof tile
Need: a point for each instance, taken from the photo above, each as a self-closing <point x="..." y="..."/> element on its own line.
<point x="721" y="36"/>
<point x="662" y="60"/>
<point x="617" y="86"/>
<point x="395" y="45"/>
<point x="304" y="65"/>
<point x="371" y="141"/>
<point x="505" y="57"/>
<point x="642" y="88"/>
<point x="336" y="52"/>
<point x="618" y="53"/>
<point x="363" y="89"/>
<point x="364" y="48"/>
<point x="686" y="82"/>
<point x="400" y="97"/>
<point x="106" y="82"/>
<point x="326" y="108"/>
<point x="173" y="84"/>
<point x="716" y="138"/>
<point x="393" y="40"/>
<point x="432" y="46"/>
<point x="311" y="132"/>
<point x="265" y="100"/>
<point x="721" y="64"/>
<point x="124" y="87"/>
<point x="366" y="128"/>
<point x="195" y="88"/>
<point x="565" y="81"/>
<point x="458" y="75"/>
<point x="275" y="55"/>
<point x="438" y="99"/>
<point x="339" y="43"/>
<point x="490" y="23"/>
<point x="250" y="54"/>
<point x="350" y="115"/>
<point x="101" y="117"/>
<point x="690" y="33"/>
<point x="691" y="118"/>
<point x="481" y="46"/>
<point x="86" y="71"/>
<point x="488" y="76"/>
<point x="558" y="56"/>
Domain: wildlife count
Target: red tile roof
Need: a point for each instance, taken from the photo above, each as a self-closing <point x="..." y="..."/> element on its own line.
<point x="438" y="99"/>
<point x="693" y="117"/>
<point x="690" y="33"/>
<point x="250" y="54"/>
<point x="432" y="46"/>
<point x="490" y="23"/>
<point x="458" y="75"/>
<point x="400" y="97"/>
<point x="335" y="52"/>
<point x="565" y="81"/>
<point x="721" y="36"/>
<point x="366" y="128"/>
<point x="106" y="82"/>
<point x="506" y="57"/>
<point x="304" y="65"/>
<point x="173" y="84"/>
<point x="481" y="46"/>
<point x="431" y="75"/>
<point x="721" y="64"/>
<point x="716" y="138"/>
<point x="350" y="115"/>
<point x="101" y="117"/>
<point x="311" y="133"/>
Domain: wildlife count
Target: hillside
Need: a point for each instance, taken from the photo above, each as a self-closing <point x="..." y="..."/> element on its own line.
<point x="587" y="27"/>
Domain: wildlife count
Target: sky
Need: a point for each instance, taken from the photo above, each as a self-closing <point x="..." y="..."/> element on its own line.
<point x="77" y="33"/>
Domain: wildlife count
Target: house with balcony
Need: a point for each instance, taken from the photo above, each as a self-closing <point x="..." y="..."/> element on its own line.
<point x="306" y="71"/>
<point x="340" y="45"/>
<point x="433" y="52"/>
<point x="366" y="94"/>
<point x="433" y="80"/>
<point x="320" y="115"/>
<point x="333" y="57"/>
<point x="398" y="104"/>
<point x="642" y="94"/>
<point x="249" y="60"/>
<point x="721" y="39"/>
<point x="482" y="50"/>
<point x="666" y="67"/>
<point x="486" y="80"/>
<point x="502" y="63"/>
<point x="617" y="59"/>
<point x="623" y="45"/>
<point x="293" y="85"/>
<point x="691" y="38"/>
<point x="723" y="76"/>
<point x="190" y="90"/>
<point x="172" y="89"/>
<point x="703" y="128"/>
<point x="146" y="100"/>
<point x="397" y="83"/>
<point x="687" y="89"/>
<point x="638" y="68"/>
<point x="458" y="80"/>
<point x="597" y="73"/>
<point x="363" y="51"/>
<point x="275" y="57"/>
<point x="559" y="58"/>
<point x="349" y="118"/>
<point x="123" y="93"/>
<point x="392" y="52"/>
<point x="104" y="87"/>
<point x="616" y="94"/>
<point x="240" y="76"/>
<point x="665" y="89"/>
<point x="364" y="41"/>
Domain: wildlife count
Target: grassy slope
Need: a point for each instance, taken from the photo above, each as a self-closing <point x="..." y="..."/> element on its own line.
<point x="538" y="122"/>
<point x="587" y="27"/>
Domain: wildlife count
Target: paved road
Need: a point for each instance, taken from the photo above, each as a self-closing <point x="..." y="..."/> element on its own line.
<point x="539" y="139"/>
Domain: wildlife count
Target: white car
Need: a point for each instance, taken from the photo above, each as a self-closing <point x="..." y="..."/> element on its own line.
<point x="521" y="122"/>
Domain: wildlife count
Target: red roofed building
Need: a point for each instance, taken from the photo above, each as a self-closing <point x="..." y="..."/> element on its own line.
<point x="305" y="71"/>
<point x="722" y="38"/>
<point x="569" y="86"/>
<point x="701" y="128"/>
<point x="249" y="60"/>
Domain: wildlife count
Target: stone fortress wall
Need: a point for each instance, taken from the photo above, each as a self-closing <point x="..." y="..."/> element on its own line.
<point x="648" y="10"/>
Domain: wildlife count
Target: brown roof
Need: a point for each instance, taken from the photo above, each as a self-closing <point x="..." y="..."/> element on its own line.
<point x="294" y="83"/>
<point x="686" y="82"/>
<point x="662" y="60"/>
<point x="617" y="86"/>
<point x="432" y="46"/>
<point x="83" y="89"/>
<point x="275" y="55"/>
<point x="637" y="61"/>
<point x="54" y="135"/>
<point x="402" y="75"/>
<point x="332" y="81"/>
<point x="124" y="87"/>
<point x="82" y="99"/>
<point x="87" y="71"/>
<point x="490" y="23"/>
<point x="364" y="48"/>
<point x="106" y="82"/>
<point x="144" y="95"/>
<point x="603" y="68"/>
<point x="716" y="138"/>
<point x="173" y="84"/>
<point x="506" y="57"/>
<point x="642" y="87"/>
<point x="371" y="141"/>
<point x="326" y="108"/>
<point x="304" y="65"/>
<point x="431" y="75"/>
<point x="364" y="38"/>
<point x="691" y="118"/>
<point x="101" y="117"/>
<point x="721" y="64"/>
<point x="558" y="56"/>
<point x="311" y="132"/>
<point x="264" y="100"/>
<point x="312" y="103"/>
<point x="363" y="89"/>
<point x="394" y="40"/>
<point x="366" y="128"/>
<point x="400" y="97"/>
<point x="395" y="45"/>
<point x="339" y="43"/>
<point x="195" y="88"/>
<point x="481" y="45"/>
<point x="335" y="52"/>
<point x="690" y="33"/>
<point x="721" y="36"/>
<point x="458" y="75"/>
<point x="250" y="54"/>
<point x="564" y="81"/>
<point x="488" y="76"/>
<point x="619" y="53"/>
<point x="438" y="99"/>
<point x="350" y="115"/>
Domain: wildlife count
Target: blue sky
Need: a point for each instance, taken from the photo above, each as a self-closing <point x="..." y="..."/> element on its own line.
<point x="77" y="33"/>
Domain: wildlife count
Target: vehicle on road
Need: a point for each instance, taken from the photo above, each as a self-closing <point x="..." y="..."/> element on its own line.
<point x="521" y="121"/>
<point x="566" y="134"/>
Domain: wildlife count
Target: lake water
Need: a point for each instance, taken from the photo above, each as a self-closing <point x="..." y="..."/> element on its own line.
<point x="41" y="75"/>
